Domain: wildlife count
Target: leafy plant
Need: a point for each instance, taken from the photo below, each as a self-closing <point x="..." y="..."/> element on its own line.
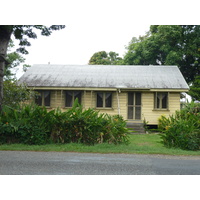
<point x="182" y="130"/>
<point x="28" y="125"/>
<point x="88" y="127"/>
<point x="31" y="124"/>
<point x="15" y="94"/>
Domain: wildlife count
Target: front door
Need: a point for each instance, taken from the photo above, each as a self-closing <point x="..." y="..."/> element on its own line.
<point x="134" y="105"/>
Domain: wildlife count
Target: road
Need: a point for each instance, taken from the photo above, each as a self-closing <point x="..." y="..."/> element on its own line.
<point x="67" y="163"/>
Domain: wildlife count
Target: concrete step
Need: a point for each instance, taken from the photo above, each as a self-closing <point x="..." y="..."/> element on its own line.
<point x="136" y="128"/>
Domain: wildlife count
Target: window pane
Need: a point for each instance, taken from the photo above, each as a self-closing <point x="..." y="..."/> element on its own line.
<point x="69" y="99"/>
<point x="130" y="98"/>
<point x="130" y="112"/>
<point x="138" y="99"/>
<point x="108" y="100"/>
<point x="38" y="98"/>
<point x="161" y="100"/>
<point x="158" y="103"/>
<point x="99" y="99"/>
<point x="158" y="97"/>
<point x="77" y="94"/>
<point x="47" y="98"/>
<point x="138" y="113"/>
<point x="164" y="100"/>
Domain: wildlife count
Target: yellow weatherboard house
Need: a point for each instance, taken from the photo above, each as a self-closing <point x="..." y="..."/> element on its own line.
<point x="135" y="92"/>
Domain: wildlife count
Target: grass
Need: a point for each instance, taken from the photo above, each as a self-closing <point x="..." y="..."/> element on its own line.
<point x="139" y="144"/>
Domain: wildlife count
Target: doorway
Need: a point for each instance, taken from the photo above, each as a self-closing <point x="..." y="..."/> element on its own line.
<point x="134" y="105"/>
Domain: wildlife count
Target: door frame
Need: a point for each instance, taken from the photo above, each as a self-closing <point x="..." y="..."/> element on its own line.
<point x="134" y="106"/>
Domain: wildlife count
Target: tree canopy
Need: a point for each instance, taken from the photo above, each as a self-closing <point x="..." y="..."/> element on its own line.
<point x="14" y="59"/>
<point x="195" y="89"/>
<point x="21" y="33"/>
<point x="104" y="58"/>
<point x="168" y="45"/>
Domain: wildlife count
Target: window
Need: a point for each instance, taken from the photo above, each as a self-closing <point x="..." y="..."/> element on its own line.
<point x="71" y="97"/>
<point x="43" y="98"/>
<point x="104" y="100"/>
<point x="161" y="100"/>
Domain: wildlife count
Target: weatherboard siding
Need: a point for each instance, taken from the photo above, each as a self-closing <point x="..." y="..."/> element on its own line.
<point x="123" y="98"/>
<point x="150" y="114"/>
<point x="119" y="104"/>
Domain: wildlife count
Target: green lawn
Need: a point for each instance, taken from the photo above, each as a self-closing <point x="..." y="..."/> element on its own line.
<point x="139" y="144"/>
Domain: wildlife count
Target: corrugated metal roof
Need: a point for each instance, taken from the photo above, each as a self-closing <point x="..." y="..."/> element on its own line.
<point x="105" y="76"/>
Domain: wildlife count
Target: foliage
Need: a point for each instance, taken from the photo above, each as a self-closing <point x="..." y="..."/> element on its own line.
<point x="34" y="125"/>
<point x="195" y="89"/>
<point x="168" y="45"/>
<point x="14" y="59"/>
<point x="28" y="125"/>
<point x="182" y="130"/>
<point x="15" y="95"/>
<point x="146" y="128"/>
<point x="88" y="127"/>
<point x="21" y="33"/>
<point x="103" y="58"/>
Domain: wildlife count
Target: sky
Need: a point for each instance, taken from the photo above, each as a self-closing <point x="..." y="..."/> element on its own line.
<point x="91" y="26"/>
<point x="77" y="43"/>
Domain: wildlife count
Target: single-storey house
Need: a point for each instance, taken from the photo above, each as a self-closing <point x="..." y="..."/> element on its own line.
<point x="135" y="92"/>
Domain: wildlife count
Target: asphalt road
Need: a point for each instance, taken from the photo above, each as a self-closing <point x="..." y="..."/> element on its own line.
<point x="67" y="163"/>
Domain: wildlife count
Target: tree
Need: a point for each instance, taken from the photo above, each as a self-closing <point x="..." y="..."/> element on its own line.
<point x="103" y="58"/>
<point x="15" y="94"/>
<point x="168" y="45"/>
<point x="114" y="58"/>
<point x="21" y="33"/>
<point x="195" y="89"/>
<point x="14" y="59"/>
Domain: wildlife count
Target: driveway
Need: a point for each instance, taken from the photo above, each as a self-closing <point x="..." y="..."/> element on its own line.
<point x="67" y="163"/>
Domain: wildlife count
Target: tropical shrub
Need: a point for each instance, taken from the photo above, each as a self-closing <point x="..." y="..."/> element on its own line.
<point x="32" y="124"/>
<point x="15" y="94"/>
<point x="88" y="127"/>
<point x="28" y="125"/>
<point x="182" y="130"/>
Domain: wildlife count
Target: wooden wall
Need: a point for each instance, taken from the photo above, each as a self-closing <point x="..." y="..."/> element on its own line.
<point x="148" y="112"/>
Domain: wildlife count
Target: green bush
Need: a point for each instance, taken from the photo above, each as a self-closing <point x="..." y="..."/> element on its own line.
<point x="28" y="125"/>
<point x="88" y="127"/>
<point x="182" y="130"/>
<point x="32" y="124"/>
<point x="15" y="94"/>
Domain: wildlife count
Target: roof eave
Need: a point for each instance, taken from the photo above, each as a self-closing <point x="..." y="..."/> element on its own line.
<point x="109" y="89"/>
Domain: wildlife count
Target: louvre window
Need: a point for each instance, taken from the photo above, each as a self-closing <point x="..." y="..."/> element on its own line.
<point x="161" y="100"/>
<point x="104" y="100"/>
<point x="43" y="98"/>
<point x="71" y="96"/>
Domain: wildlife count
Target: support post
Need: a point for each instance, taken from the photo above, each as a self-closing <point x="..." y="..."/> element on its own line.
<point x="118" y="103"/>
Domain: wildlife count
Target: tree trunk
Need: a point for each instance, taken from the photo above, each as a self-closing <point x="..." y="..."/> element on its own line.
<point x="5" y="33"/>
